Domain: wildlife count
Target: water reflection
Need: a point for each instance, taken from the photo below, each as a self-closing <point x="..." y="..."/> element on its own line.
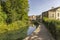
<point x="31" y="29"/>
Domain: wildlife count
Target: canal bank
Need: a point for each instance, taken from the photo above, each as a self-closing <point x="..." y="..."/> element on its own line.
<point x="41" y="33"/>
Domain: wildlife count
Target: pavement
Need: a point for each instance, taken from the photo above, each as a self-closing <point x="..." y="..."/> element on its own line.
<point x="41" y="33"/>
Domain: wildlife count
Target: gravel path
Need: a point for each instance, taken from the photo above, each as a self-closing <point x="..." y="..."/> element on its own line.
<point x="41" y="33"/>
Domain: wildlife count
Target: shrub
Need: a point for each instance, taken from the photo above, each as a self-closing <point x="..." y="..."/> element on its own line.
<point x="13" y="31"/>
<point x="53" y="26"/>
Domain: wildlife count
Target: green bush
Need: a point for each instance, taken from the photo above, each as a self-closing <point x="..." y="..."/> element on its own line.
<point x="53" y="26"/>
<point x="13" y="19"/>
<point x="13" y="31"/>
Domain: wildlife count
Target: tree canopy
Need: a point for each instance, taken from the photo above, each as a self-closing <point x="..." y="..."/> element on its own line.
<point x="13" y="19"/>
<point x="15" y="10"/>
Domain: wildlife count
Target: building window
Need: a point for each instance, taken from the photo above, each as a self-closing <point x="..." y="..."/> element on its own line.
<point x="52" y="15"/>
<point x="58" y="14"/>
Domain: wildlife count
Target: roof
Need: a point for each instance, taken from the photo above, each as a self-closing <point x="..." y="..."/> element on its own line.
<point x="52" y="9"/>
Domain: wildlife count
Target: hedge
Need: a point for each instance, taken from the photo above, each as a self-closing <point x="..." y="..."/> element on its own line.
<point x="53" y="26"/>
<point x="14" y="31"/>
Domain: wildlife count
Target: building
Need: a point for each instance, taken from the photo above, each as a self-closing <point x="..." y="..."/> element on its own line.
<point x="33" y="17"/>
<point x="53" y="13"/>
<point x="38" y="18"/>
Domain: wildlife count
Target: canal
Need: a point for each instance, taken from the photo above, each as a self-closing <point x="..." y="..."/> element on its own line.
<point x="31" y="29"/>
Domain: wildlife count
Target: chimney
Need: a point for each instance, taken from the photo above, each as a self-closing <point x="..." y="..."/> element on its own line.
<point x="52" y="7"/>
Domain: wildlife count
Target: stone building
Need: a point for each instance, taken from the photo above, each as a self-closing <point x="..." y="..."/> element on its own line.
<point x="33" y="17"/>
<point x="39" y="18"/>
<point x="53" y="13"/>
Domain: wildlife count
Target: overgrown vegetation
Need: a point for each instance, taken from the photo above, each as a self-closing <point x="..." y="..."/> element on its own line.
<point x="53" y="26"/>
<point x="35" y="22"/>
<point x="13" y="19"/>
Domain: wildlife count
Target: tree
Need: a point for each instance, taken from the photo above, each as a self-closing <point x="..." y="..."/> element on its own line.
<point x="16" y="10"/>
<point x="3" y="16"/>
<point x="15" y="14"/>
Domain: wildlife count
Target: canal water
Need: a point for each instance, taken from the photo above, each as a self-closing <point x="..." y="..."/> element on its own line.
<point x="31" y="29"/>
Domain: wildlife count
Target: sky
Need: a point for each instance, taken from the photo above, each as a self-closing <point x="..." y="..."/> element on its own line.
<point x="36" y="7"/>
